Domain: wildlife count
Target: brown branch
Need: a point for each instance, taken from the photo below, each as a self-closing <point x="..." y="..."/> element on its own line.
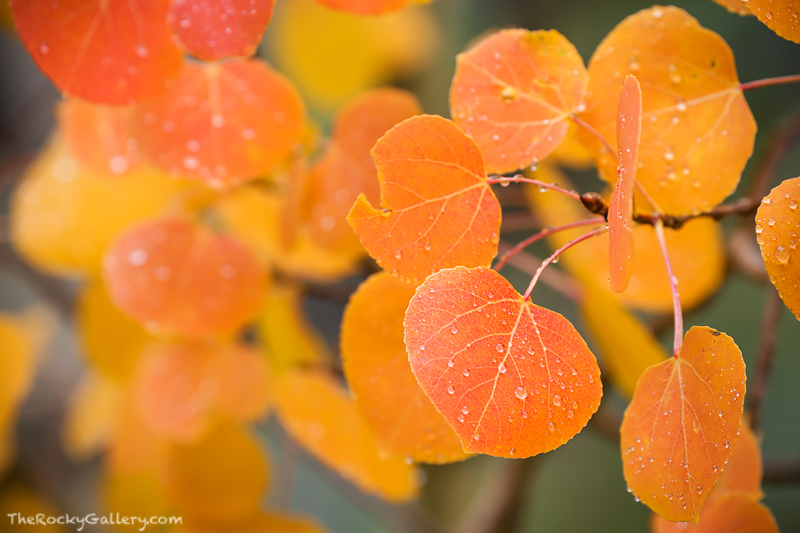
<point x="518" y="221"/>
<point x="781" y="470"/>
<point x="596" y="204"/>
<point x="58" y="293"/>
<point x="765" y="356"/>
<point x="496" y="506"/>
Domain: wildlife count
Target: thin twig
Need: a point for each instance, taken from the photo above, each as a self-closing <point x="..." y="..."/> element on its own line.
<point x="519" y="178"/>
<point x="506" y="257"/>
<point x="765" y="355"/>
<point x="61" y="295"/>
<point x="673" y="283"/>
<point x="591" y="129"/>
<point x="781" y="470"/>
<point x="290" y="455"/>
<point x="555" y="279"/>
<point x="767" y="82"/>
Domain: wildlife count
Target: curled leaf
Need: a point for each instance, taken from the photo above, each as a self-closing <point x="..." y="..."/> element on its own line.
<point x="514" y="93"/>
<point x="437" y="208"/>
<point x="513" y="379"/>
<point x="620" y="211"/>
<point x="679" y="429"/>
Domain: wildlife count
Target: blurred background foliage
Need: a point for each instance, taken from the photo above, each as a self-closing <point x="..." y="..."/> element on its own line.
<point x="331" y="57"/>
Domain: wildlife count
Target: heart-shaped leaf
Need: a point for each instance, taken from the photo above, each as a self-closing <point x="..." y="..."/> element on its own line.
<point x="437" y="209"/>
<point x="514" y="93"/>
<point x="679" y="429"/>
<point x="512" y="378"/>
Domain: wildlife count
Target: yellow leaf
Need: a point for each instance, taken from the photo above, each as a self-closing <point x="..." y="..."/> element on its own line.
<point x="91" y="416"/>
<point x="332" y="55"/>
<point x="626" y="346"/>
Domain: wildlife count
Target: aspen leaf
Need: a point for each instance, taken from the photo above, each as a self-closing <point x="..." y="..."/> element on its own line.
<point x="285" y="333"/>
<point x="514" y="93"/>
<point x="222" y="123"/>
<point x="134" y="447"/>
<point x="176" y="276"/>
<point x="696" y="250"/>
<point x="347" y="170"/>
<point x="620" y="210"/>
<point x="736" y="6"/>
<point x="91" y="416"/>
<point x="56" y="208"/>
<point x="99" y="136"/>
<point x="734" y="512"/>
<point x="571" y="153"/>
<point x="211" y="30"/>
<point x="108" y="52"/>
<point x="181" y="387"/>
<point x="781" y="16"/>
<point x="522" y="380"/>
<point x="697" y="129"/>
<point x="375" y="363"/>
<point x="317" y="412"/>
<point x="112" y="343"/>
<point x="257" y="217"/>
<point x="679" y="429"/>
<point x="437" y="208"/>
<point x="139" y="494"/>
<point x="777" y="223"/>
<point x="221" y="477"/>
<point x="626" y="346"/>
<point x="334" y="55"/>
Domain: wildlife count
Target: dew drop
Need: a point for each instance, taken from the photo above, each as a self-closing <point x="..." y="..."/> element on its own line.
<point x="451" y="363"/>
<point x="500" y="348"/>
<point x="521" y="393"/>
<point x="465" y="373"/>
<point x="465" y="410"/>
<point x="502" y="368"/>
<point x="781" y="254"/>
<point x="551" y="426"/>
<point x="451" y="390"/>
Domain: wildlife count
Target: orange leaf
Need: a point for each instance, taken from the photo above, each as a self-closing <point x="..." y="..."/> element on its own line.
<point x="214" y="30"/>
<point x="734" y="512"/>
<point x="512" y="378"/>
<point x="99" y="136"/>
<point x="697" y="129"/>
<point x="347" y="170"/>
<point x="173" y="275"/>
<point x="736" y="6"/>
<point x="318" y="413"/>
<point x="744" y="470"/>
<point x="514" y="93"/>
<point x="620" y="211"/>
<point x="678" y="430"/>
<point x="223" y="123"/>
<point x="221" y="477"/>
<point x="777" y="221"/>
<point x="781" y="16"/>
<point x="108" y="52"/>
<point x="225" y="380"/>
<point x="437" y="209"/>
<point x="376" y="366"/>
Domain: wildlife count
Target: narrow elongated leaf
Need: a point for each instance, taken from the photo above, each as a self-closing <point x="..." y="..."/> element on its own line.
<point x="514" y="93"/>
<point x="620" y="211"/>
<point x="679" y="429"/>
<point x="376" y="366"/>
<point x="512" y="378"/>
<point x="697" y="129"/>
<point x="437" y="209"/>
<point x="777" y="222"/>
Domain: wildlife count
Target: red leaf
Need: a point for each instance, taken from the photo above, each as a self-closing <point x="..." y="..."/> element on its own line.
<point x="679" y="429"/>
<point x="620" y="212"/>
<point x="514" y="93"/>
<point x="438" y="210"/>
<point x="512" y="378"/>
<point x="105" y="51"/>
<point x="212" y="30"/>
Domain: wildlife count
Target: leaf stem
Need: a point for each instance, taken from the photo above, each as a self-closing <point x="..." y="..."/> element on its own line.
<point x="555" y="279"/>
<point x="765" y="355"/>
<point x="519" y="178"/>
<point x="506" y="257"/>
<point x="767" y="82"/>
<point x="555" y="255"/>
<point x="591" y="129"/>
<point x="673" y="283"/>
